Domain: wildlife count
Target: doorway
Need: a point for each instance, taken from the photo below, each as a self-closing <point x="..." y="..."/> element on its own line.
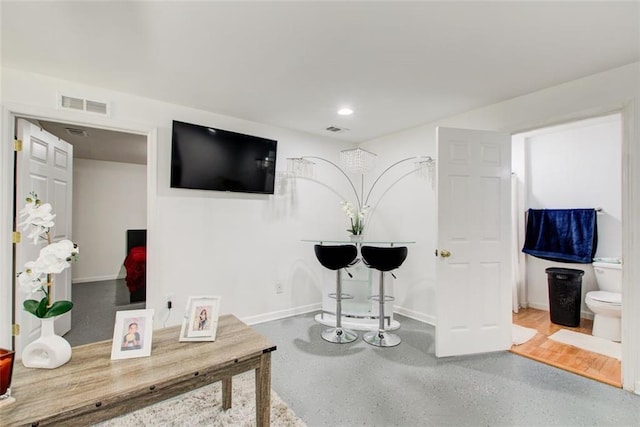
<point x="574" y="165"/>
<point x="110" y="196"/>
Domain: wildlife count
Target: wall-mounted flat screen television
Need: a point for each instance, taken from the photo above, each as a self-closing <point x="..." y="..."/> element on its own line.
<point x="205" y="158"/>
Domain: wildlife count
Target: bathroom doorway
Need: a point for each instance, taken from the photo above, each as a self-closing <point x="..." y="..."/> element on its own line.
<point x="573" y="165"/>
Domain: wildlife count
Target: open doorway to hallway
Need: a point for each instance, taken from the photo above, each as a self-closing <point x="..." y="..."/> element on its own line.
<point x="109" y="197"/>
<point x="571" y="166"/>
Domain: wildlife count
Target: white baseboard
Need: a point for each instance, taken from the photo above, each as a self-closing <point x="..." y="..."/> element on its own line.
<point x="96" y="278"/>
<point x="545" y="307"/>
<point x="431" y="320"/>
<point x="275" y="315"/>
<point x="416" y="315"/>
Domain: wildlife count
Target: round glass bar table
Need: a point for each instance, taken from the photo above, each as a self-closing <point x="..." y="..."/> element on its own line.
<point x="358" y="311"/>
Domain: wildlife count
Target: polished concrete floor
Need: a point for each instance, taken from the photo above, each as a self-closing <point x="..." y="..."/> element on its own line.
<point x="94" y="310"/>
<point x="360" y="385"/>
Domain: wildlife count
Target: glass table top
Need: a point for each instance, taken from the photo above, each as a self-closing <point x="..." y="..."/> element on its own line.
<point x="361" y="242"/>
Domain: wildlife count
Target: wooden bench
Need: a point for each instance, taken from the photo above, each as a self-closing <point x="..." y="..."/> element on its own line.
<point x="93" y="388"/>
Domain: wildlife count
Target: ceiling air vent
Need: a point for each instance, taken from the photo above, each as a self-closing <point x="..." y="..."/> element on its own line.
<point x="335" y="129"/>
<point x="73" y="103"/>
<point x="96" y="107"/>
<point x="76" y="132"/>
<point x="80" y="104"/>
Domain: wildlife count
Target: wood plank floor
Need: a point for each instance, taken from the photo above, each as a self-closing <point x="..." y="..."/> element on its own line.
<point x="563" y="356"/>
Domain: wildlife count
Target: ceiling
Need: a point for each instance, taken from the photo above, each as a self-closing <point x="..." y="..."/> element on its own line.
<point x="293" y="64"/>
<point x="100" y="144"/>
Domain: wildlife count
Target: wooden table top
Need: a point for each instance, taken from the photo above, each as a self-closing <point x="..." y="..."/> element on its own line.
<point x="92" y="378"/>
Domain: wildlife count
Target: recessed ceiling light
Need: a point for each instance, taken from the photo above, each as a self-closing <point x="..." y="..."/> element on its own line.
<point x="345" y="111"/>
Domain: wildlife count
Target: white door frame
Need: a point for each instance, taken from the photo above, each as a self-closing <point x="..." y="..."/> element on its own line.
<point x="9" y="114"/>
<point x="630" y="248"/>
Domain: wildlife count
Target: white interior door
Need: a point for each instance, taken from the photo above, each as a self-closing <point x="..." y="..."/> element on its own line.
<point x="44" y="166"/>
<point x="473" y="293"/>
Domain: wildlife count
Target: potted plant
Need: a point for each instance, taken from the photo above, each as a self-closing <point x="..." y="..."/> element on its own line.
<point x="50" y="350"/>
<point x="356" y="219"/>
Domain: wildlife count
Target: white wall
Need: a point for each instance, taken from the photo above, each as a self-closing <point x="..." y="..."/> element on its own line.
<point x="577" y="99"/>
<point x="236" y="246"/>
<point x="577" y="165"/>
<point x="108" y="199"/>
<point x="613" y="90"/>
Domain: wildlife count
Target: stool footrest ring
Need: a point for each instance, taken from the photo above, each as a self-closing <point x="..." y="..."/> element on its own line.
<point x="334" y="295"/>
<point x="386" y="298"/>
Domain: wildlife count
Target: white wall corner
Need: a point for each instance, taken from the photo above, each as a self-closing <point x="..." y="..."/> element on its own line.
<point x="416" y="315"/>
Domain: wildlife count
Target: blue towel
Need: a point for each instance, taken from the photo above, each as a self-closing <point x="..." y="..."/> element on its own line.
<point x="564" y="235"/>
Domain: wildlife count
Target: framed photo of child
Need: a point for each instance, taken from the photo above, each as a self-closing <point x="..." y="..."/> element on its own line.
<point x="201" y="319"/>
<point x="132" y="334"/>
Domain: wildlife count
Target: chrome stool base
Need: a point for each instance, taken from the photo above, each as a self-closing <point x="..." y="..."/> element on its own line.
<point x="381" y="339"/>
<point x="339" y="335"/>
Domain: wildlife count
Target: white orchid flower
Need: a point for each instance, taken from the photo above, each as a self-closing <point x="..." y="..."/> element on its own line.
<point x="55" y="257"/>
<point x="347" y="207"/>
<point x="39" y="219"/>
<point x="53" y="264"/>
<point x="30" y="280"/>
<point x="63" y="249"/>
<point x="38" y="215"/>
<point x="362" y="213"/>
<point x="29" y="207"/>
<point x="357" y="219"/>
<point x="36" y="234"/>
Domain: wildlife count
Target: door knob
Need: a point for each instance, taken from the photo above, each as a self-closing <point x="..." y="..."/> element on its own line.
<point x="445" y="253"/>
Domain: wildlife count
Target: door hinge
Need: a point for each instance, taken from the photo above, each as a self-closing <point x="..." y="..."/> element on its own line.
<point x="17" y="237"/>
<point x="17" y="145"/>
<point x="15" y="329"/>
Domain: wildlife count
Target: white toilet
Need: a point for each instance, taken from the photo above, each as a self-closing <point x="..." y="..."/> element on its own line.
<point x="606" y="303"/>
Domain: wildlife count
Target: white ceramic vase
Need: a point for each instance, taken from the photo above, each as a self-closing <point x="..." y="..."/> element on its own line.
<point x="356" y="238"/>
<point x="47" y="352"/>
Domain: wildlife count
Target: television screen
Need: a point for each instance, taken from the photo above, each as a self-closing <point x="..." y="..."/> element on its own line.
<point x="205" y="158"/>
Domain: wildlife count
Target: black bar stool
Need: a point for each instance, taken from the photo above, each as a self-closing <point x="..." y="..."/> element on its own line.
<point x="336" y="258"/>
<point x="382" y="259"/>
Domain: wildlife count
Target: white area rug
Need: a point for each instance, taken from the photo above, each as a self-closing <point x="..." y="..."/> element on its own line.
<point x="520" y="334"/>
<point x="203" y="407"/>
<point x="589" y="343"/>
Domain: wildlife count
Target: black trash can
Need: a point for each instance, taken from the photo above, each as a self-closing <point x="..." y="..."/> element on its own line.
<point x="565" y="295"/>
